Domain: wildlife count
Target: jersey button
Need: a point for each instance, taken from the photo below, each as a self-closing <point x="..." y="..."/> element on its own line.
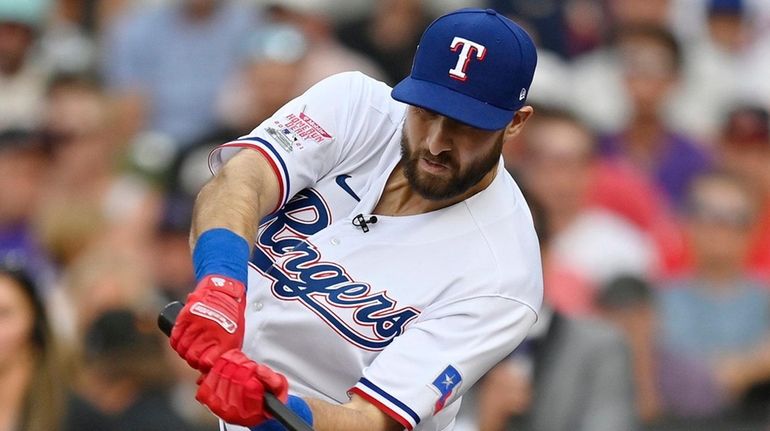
<point x="335" y="241"/>
<point x="257" y="306"/>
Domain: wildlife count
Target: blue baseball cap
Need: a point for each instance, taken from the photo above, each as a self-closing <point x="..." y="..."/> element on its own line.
<point x="472" y="65"/>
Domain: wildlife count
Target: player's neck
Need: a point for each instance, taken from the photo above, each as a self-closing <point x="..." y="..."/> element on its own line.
<point x="400" y="199"/>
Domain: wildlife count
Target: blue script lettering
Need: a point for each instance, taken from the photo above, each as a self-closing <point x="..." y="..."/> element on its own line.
<point x="324" y="287"/>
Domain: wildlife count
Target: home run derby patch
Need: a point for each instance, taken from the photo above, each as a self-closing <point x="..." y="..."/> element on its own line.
<point x="295" y="130"/>
<point x="283" y="137"/>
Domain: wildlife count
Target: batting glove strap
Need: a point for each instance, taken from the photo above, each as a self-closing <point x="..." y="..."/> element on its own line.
<point x="222" y="252"/>
<point x="296" y="404"/>
<point x="211" y="323"/>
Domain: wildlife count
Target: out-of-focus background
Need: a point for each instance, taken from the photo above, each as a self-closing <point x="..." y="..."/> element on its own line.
<point x="647" y="167"/>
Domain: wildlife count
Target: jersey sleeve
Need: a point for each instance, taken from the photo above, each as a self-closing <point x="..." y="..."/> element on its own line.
<point x="334" y="121"/>
<point x="442" y="355"/>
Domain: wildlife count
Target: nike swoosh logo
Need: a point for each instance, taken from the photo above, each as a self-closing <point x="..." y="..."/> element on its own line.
<point x="342" y="182"/>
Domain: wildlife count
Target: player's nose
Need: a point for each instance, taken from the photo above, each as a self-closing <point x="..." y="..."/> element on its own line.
<point x="439" y="138"/>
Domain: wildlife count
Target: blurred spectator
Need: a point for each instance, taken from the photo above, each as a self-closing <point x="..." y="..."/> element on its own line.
<point x="171" y="256"/>
<point x="586" y="26"/>
<point x="166" y="64"/>
<point x="101" y="279"/>
<point x="568" y="28"/>
<point x="630" y="13"/>
<point x="268" y="78"/>
<point x="625" y="191"/>
<point x="124" y="381"/>
<point x="590" y="244"/>
<point x="172" y="264"/>
<point x="388" y="36"/>
<point x="93" y="17"/>
<point x="325" y="54"/>
<point x="596" y="77"/>
<point x="551" y="83"/>
<point x="32" y="398"/>
<point x="88" y="199"/>
<point x="598" y="93"/>
<point x="626" y="302"/>
<point x="651" y="61"/>
<point x="718" y="57"/>
<point x="69" y="43"/>
<point x="755" y="87"/>
<point x="718" y="317"/>
<point x="578" y="379"/>
<point x="745" y="152"/>
<point x="23" y="163"/>
<point x="22" y="77"/>
<point x="544" y="20"/>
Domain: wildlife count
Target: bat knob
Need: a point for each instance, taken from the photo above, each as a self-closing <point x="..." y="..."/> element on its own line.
<point x="167" y="317"/>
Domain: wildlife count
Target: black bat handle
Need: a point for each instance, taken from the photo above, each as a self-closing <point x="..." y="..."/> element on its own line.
<point x="279" y="410"/>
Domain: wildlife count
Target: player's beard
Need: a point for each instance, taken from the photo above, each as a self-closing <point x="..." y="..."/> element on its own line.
<point x="435" y="188"/>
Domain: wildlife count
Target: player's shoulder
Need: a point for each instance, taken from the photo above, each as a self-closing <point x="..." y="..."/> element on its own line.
<point x="354" y="78"/>
<point x="512" y="253"/>
<point x="362" y="92"/>
<point x="502" y="214"/>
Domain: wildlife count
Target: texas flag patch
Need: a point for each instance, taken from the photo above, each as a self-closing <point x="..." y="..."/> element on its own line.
<point x="446" y="383"/>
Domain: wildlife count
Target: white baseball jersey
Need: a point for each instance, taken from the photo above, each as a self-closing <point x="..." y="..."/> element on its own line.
<point x="407" y="315"/>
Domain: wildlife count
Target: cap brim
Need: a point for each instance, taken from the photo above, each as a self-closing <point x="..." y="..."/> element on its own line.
<point x="452" y="104"/>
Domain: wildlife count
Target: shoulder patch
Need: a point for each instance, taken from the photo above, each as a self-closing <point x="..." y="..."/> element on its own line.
<point x="283" y="137"/>
<point x="445" y="384"/>
<point x="294" y="131"/>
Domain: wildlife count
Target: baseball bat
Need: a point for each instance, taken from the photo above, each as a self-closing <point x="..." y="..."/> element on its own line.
<point x="280" y="412"/>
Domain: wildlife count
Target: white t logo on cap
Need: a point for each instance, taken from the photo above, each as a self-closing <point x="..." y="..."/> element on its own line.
<point x="468" y="46"/>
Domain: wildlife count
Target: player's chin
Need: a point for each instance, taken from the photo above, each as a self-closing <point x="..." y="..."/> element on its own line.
<point x="434" y="187"/>
<point x="434" y="181"/>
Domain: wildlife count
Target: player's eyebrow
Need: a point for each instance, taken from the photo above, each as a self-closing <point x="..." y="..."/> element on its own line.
<point x="452" y="121"/>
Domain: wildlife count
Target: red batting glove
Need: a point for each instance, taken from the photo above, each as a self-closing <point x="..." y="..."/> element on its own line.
<point x="211" y="323"/>
<point x="235" y="388"/>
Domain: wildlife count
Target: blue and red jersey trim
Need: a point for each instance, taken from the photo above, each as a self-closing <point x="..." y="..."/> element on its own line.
<point x="273" y="158"/>
<point x="389" y="404"/>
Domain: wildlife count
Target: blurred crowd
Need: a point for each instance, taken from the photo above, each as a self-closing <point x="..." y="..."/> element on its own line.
<point x="646" y="165"/>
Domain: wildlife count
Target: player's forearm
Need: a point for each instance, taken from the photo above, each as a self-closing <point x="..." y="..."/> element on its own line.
<point x="241" y="194"/>
<point x="225" y="221"/>
<point x="357" y="415"/>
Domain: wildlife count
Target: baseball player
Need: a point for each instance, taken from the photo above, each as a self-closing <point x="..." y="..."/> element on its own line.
<point x="363" y="254"/>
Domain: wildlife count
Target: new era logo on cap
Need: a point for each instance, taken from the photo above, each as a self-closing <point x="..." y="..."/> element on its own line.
<point x="472" y="65"/>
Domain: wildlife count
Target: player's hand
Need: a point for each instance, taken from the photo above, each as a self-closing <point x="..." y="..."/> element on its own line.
<point x="211" y="323"/>
<point x="235" y="388"/>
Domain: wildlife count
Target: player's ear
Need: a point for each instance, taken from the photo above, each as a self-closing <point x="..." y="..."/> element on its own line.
<point x="517" y="124"/>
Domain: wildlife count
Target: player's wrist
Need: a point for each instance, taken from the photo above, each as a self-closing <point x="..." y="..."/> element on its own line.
<point x="298" y="405"/>
<point x="221" y="252"/>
